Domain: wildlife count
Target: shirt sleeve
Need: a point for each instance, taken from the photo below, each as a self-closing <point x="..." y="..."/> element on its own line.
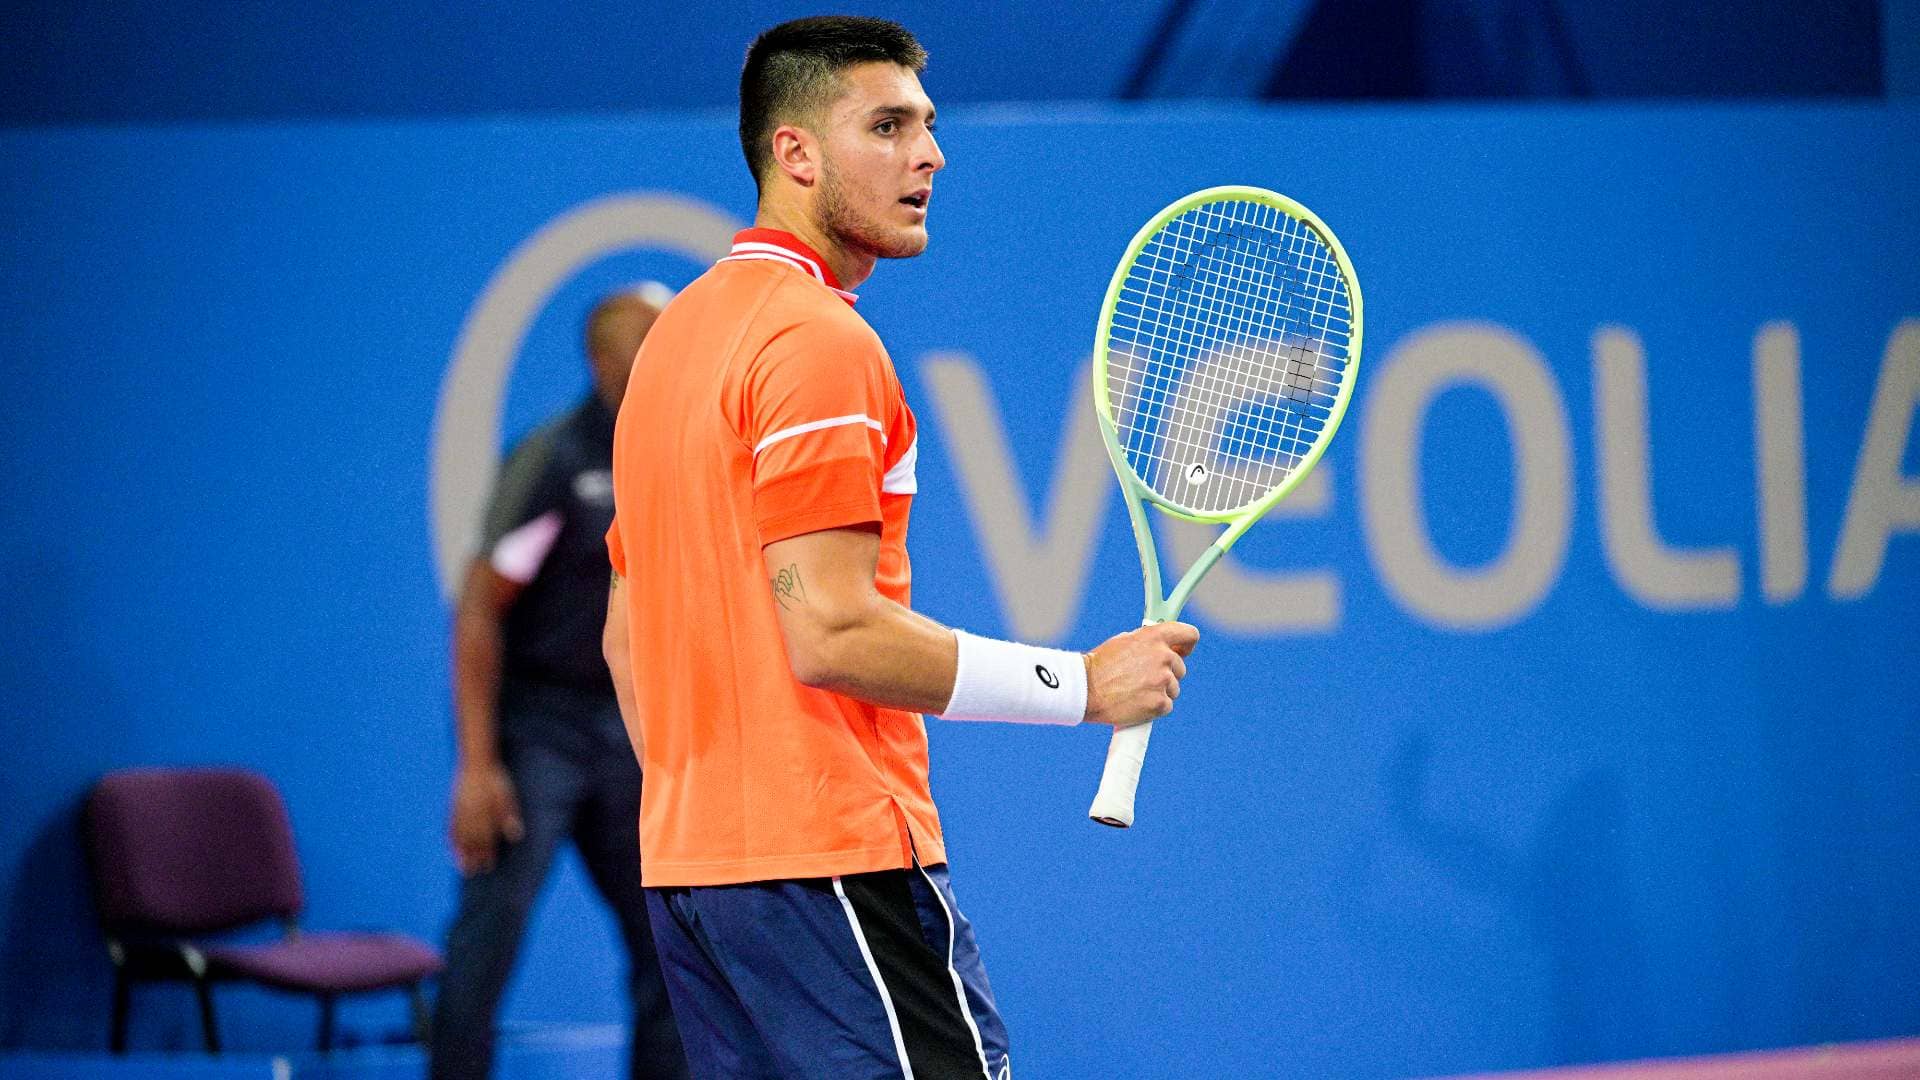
<point x="616" y="549"/>
<point x="817" y="409"/>
<point x="525" y="514"/>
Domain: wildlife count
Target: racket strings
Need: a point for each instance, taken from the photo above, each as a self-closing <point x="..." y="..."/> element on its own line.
<point x="1227" y="351"/>
<point x="1256" y="370"/>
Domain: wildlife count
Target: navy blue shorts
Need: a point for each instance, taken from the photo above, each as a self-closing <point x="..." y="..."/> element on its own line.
<point x="846" y="978"/>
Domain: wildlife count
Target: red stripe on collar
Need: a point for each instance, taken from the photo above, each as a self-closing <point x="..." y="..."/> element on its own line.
<point x="774" y="245"/>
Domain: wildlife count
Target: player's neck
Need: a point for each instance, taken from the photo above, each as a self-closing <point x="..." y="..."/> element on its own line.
<point x="852" y="268"/>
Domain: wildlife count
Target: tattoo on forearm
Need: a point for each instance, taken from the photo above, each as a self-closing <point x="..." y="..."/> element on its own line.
<point x="787" y="588"/>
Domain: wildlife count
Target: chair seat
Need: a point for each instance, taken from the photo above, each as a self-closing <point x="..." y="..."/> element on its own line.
<point x="329" y="963"/>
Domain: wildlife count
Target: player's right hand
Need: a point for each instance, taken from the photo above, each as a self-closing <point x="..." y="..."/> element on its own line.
<point x="485" y="811"/>
<point x="1134" y="677"/>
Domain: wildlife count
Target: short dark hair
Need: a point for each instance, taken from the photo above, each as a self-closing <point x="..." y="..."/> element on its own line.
<point x="794" y="69"/>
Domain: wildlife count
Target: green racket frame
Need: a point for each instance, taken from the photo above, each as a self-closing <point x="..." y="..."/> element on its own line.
<point x="1114" y="803"/>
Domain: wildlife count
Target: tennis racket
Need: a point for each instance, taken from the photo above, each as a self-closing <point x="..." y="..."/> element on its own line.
<point x="1225" y="357"/>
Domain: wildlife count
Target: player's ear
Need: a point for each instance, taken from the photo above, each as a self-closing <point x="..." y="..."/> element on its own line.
<point x="797" y="153"/>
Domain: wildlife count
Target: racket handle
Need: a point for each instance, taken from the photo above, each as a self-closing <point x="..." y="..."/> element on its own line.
<point x="1125" y="754"/>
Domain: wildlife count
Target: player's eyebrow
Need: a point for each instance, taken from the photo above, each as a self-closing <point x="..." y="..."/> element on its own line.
<point x="903" y="112"/>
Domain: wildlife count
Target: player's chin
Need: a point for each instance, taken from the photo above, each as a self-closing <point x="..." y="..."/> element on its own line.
<point x="905" y="242"/>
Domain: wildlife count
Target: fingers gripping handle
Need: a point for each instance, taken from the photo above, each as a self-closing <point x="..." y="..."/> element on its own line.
<point x="1114" y="803"/>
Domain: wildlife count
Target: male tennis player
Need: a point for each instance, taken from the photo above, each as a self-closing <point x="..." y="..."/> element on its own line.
<point x="763" y="471"/>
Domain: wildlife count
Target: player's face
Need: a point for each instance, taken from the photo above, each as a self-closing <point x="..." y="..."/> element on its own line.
<point x="878" y="161"/>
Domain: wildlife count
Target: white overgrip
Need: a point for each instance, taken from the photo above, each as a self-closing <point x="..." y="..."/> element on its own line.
<point x="1113" y="805"/>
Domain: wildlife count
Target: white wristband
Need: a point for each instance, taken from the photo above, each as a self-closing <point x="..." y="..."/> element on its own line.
<point x="1022" y="684"/>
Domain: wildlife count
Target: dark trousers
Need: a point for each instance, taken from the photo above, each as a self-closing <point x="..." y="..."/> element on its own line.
<point x="580" y="788"/>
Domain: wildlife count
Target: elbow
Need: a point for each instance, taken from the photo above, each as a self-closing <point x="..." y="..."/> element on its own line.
<point x="613" y="646"/>
<point x="815" y="662"/>
<point x="810" y="670"/>
<point x="824" y="653"/>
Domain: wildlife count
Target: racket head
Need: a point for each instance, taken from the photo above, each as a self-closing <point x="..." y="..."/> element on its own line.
<point x="1226" y="352"/>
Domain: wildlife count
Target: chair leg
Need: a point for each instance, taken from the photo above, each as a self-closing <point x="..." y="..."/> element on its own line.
<point x="209" y="1029"/>
<point x="326" y="1023"/>
<point x="122" y="1002"/>
<point x="422" y="1016"/>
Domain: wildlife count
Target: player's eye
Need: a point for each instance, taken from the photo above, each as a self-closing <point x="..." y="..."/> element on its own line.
<point x="887" y="127"/>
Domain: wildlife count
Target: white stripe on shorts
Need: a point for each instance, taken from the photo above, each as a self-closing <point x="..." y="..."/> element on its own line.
<point x="873" y="968"/>
<point x="959" y="987"/>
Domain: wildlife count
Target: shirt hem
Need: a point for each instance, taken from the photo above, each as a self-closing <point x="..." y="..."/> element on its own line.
<point x="684" y="874"/>
<point x="815" y="519"/>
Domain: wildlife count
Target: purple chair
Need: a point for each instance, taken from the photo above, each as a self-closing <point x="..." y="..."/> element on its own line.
<point x="179" y="854"/>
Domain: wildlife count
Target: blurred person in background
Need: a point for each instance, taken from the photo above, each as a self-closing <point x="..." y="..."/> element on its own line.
<point x="543" y="754"/>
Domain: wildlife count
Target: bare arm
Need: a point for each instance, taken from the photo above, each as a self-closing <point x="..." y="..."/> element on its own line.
<point x="613" y="644"/>
<point x="482" y="607"/>
<point x="484" y="805"/>
<point x="843" y="636"/>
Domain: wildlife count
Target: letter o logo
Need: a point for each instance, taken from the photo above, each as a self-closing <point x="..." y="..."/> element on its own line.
<point x="465" y="452"/>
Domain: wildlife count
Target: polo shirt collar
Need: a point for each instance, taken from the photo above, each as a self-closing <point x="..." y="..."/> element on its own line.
<point x="773" y="245"/>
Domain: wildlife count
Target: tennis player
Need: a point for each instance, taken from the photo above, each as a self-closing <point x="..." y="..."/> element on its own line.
<point x="771" y="671"/>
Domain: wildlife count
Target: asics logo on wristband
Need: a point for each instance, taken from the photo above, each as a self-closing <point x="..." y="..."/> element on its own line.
<point x="1026" y="684"/>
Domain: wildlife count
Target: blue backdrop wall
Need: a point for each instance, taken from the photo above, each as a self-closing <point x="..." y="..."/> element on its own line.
<point x="169" y="60"/>
<point x="1570" y="715"/>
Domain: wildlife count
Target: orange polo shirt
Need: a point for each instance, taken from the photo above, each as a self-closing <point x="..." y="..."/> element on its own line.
<point x="761" y="407"/>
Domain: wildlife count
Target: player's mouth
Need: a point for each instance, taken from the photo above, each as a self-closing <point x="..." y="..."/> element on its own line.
<point x="919" y="199"/>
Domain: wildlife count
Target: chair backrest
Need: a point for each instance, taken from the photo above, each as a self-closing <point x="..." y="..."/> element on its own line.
<point x="190" y="851"/>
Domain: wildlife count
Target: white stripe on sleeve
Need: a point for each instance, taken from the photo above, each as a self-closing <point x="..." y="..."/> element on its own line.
<point x="820" y="425"/>
<point x="901" y="479"/>
<point x="519" y="554"/>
